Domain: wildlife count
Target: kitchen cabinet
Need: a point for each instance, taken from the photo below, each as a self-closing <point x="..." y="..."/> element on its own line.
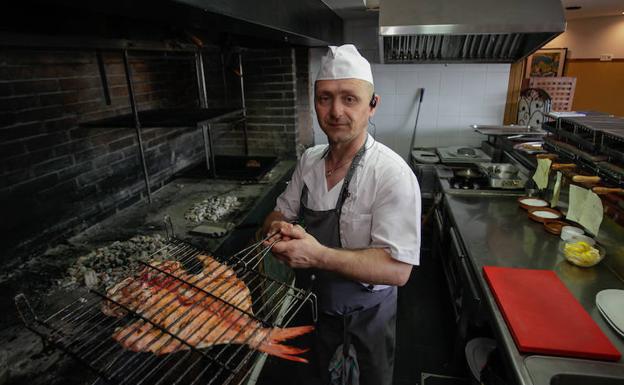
<point x="464" y="294"/>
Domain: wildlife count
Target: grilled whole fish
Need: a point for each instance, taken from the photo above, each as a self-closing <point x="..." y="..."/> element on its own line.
<point x="201" y="310"/>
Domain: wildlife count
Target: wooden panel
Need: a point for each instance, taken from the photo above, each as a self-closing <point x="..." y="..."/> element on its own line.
<point x="516" y="77"/>
<point x="599" y="85"/>
<point x="560" y="90"/>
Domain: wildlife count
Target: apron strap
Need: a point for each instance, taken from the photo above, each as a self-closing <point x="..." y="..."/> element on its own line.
<point x="344" y="193"/>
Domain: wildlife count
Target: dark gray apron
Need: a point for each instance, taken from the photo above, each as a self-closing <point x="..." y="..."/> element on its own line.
<point x="349" y="312"/>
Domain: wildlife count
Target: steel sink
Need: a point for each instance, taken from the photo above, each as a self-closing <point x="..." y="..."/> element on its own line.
<point x="546" y="370"/>
<point x="581" y="379"/>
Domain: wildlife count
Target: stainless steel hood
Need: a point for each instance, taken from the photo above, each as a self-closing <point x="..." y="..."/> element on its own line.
<point x="415" y="31"/>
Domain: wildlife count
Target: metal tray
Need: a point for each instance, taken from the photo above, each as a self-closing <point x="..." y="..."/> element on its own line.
<point x="507" y="130"/>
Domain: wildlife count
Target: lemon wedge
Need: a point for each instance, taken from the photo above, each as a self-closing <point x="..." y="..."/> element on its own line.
<point x="581" y="253"/>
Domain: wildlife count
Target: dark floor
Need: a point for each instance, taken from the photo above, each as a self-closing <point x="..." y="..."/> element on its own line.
<point x="425" y="326"/>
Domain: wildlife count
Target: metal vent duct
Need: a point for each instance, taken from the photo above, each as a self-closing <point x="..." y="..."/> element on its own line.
<point x="455" y="30"/>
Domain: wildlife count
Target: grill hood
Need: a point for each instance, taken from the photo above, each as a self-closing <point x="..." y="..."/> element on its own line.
<point x="500" y="31"/>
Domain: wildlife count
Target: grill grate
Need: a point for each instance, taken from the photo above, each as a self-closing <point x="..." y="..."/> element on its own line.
<point x="83" y="331"/>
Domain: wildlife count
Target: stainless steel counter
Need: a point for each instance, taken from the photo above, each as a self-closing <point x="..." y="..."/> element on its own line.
<point x="495" y="231"/>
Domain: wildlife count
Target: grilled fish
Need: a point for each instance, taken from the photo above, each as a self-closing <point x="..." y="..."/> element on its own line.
<point x="201" y="310"/>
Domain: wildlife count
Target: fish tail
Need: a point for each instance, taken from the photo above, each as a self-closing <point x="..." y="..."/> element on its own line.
<point x="279" y="334"/>
<point x="283" y="351"/>
<point x="272" y="346"/>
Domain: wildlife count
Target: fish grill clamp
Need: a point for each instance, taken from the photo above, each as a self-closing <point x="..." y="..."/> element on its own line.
<point x="82" y="330"/>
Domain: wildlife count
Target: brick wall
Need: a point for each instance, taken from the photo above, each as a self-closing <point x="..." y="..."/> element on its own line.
<point x="56" y="176"/>
<point x="305" y="128"/>
<point x="270" y="77"/>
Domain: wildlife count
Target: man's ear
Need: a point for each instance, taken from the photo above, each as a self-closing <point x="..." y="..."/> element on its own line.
<point x="374" y="103"/>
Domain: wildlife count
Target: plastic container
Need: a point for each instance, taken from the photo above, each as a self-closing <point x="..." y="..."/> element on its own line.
<point x="568" y="232"/>
<point x="580" y="237"/>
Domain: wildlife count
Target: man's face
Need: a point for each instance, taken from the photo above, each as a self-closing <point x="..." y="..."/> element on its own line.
<point x="343" y="108"/>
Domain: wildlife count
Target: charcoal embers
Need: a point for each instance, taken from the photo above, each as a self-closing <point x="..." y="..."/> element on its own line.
<point x="212" y="209"/>
<point x="107" y="265"/>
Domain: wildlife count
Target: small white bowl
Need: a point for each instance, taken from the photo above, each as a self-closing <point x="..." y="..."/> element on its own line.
<point x="578" y="238"/>
<point x="568" y="232"/>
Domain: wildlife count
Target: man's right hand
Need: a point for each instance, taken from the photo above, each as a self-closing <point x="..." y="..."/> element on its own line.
<point x="275" y="232"/>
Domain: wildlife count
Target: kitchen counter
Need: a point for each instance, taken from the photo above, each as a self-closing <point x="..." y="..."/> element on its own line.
<point x="496" y="231"/>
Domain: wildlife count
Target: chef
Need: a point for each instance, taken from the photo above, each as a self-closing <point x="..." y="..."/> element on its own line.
<point x="359" y="207"/>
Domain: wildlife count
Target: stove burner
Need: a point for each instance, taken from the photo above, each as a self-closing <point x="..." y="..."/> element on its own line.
<point x="466" y="151"/>
<point x="467" y="183"/>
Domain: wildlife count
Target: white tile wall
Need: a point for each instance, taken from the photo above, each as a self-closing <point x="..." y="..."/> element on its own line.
<point x="456" y="95"/>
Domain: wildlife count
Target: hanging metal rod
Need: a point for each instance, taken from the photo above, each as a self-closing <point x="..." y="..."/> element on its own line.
<point x="137" y="123"/>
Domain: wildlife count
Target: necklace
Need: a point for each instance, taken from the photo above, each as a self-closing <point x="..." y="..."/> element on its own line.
<point x="329" y="172"/>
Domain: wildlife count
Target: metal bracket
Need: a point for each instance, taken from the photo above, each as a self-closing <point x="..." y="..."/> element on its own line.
<point x="168" y="227"/>
<point x="24" y="309"/>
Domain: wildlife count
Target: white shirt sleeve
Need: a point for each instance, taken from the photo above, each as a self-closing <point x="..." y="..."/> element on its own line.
<point x="288" y="202"/>
<point x="396" y="217"/>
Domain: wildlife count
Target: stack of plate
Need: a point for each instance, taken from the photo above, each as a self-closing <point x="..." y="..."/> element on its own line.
<point x="610" y="303"/>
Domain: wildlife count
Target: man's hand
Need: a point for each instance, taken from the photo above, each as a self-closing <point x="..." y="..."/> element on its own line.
<point x="298" y="249"/>
<point x="295" y="247"/>
<point x="275" y="232"/>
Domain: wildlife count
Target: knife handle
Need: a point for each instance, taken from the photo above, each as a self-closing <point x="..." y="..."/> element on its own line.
<point x="562" y="166"/>
<point x="585" y="179"/>
<point x="546" y="156"/>
<point x="608" y="190"/>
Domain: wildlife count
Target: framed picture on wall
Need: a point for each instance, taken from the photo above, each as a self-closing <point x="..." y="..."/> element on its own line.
<point x="546" y="62"/>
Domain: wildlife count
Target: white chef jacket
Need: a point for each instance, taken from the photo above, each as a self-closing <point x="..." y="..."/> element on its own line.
<point x="383" y="207"/>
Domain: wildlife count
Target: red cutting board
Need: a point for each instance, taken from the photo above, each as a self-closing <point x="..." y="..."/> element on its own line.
<point x="544" y="317"/>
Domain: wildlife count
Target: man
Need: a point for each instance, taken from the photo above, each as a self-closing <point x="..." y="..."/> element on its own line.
<point x="360" y="205"/>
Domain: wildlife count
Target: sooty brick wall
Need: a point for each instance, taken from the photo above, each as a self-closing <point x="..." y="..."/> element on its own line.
<point x="57" y="177"/>
<point x="304" y="132"/>
<point x="270" y="77"/>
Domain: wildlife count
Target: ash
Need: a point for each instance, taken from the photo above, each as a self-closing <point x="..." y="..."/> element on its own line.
<point x="212" y="209"/>
<point x="108" y="265"/>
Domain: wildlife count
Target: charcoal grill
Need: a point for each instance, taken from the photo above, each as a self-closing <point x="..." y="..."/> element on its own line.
<point x="594" y="132"/>
<point x="84" y="332"/>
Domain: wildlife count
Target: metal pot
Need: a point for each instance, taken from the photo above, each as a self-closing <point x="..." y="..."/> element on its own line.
<point x="505" y="171"/>
<point x="468" y="173"/>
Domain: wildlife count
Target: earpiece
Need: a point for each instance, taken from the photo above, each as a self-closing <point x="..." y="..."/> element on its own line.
<point x="373" y="101"/>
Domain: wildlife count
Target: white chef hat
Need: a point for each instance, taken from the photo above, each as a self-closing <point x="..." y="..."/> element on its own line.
<point x="344" y="62"/>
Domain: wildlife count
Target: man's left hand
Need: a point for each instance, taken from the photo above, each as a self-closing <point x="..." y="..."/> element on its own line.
<point x="301" y="250"/>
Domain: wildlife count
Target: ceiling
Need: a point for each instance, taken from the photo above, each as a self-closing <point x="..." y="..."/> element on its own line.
<point x="594" y="8"/>
<point x="352" y="9"/>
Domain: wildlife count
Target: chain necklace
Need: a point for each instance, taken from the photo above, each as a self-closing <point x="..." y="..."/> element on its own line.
<point x="329" y="172"/>
<point x="340" y="165"/>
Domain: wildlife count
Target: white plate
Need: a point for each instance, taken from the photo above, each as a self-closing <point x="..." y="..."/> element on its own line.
<point x="611" y="303"/>
<point x="617" y="330"/>
<point x="477" y="351"/>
